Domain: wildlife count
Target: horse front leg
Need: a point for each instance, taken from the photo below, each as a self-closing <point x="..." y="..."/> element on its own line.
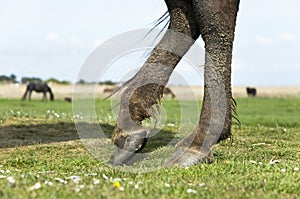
<point x="29" y="95"/>
<point x="217" y="20"/>
<point x="146" y="88"/>
<point x="25" y="95"/>
<point x="44" y="96"/>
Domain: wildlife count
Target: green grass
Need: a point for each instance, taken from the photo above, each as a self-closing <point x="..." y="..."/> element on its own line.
<point x="39" y="144"/>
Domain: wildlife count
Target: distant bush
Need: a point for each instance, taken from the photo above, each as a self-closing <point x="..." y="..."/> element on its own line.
<point x="52" y="80"/>
<point x="56" y="81"/>
<point x="81" y="81"/>
<point x="8" y="79"/>
<point x="64" y="82"/>
<point x="26" y="80"/>
<point x="108" y="82"/>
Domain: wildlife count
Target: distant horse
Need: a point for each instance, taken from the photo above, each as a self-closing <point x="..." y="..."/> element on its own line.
<point x="108" y="90"/>
<point x="251" y="91"/>
<point x="68" y="99"/>
<point x="39" y="88"/>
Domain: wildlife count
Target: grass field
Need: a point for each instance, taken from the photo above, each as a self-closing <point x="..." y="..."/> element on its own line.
<point x="41" y="156"/>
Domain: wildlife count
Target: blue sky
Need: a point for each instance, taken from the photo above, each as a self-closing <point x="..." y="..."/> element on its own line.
<point x="53" y="38"/>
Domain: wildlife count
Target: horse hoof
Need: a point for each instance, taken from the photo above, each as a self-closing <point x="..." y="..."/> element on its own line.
<point x="132" y="144"/>
<point x="186" y="157"/>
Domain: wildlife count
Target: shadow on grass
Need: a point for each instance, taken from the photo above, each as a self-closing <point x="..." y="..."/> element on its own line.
<point x="26" y="135"/>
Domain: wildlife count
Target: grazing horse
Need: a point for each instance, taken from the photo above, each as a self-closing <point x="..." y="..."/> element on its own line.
<point x="39" y="88"/>
<point x="68" y="99"/>
<point x="251" y="91"/>
<point x="108" y="90"/>
<point x="214" y="21"/>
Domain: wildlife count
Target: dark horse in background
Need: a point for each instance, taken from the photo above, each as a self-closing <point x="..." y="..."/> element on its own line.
<point x="39" y="88"/>
<point x="251" y="91"/>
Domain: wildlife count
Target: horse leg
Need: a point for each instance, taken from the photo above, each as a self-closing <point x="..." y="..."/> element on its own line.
<point x="25" y="94"/>
<point x="29" y="95"/>
<point x="44" y="95"/>
<point x="217" y="20"/>
<point x="146" y="88"/>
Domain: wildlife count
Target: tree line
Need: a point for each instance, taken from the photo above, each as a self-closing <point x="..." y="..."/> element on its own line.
<point x="25" y="80"/>
<point x="4" y="79"/>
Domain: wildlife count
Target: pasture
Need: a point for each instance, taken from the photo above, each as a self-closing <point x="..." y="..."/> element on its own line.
<point x="42" y="156"/>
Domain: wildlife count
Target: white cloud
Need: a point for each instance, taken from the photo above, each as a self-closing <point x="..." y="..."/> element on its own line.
<point x="264" y="40"/>
<point x="287" y="37"/>
<point x="53" y="37"/>
<point x="73" y="41"/>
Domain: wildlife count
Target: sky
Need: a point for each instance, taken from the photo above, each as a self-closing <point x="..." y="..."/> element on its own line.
<point x="54" y="38"/>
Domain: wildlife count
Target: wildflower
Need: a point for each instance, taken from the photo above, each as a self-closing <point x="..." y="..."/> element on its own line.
<point x="90" y="174"/>
<point x="274" y="161"/>
<point x="283" y="170"/>
<point x="35" y="187"/>
<point x="61" y="180"/>
<point x="1" y="177"/>
<point x="296" y="169"/>
<point x="167" y="185"/>
<point x="253" y="162"/>
<point x="96" y="181"/>
<point x="170" y="124"/>
<point x="104" y="176"/>
<point x="48" y="183"/>
<point x="11" y="180"/>
<point x="117" y="179"/>
<point x="201" y="184"/>
<point x="78" y="188"/>
<point x="191" y="191"/>
<point x="75" y="179"/>
<point x="117" y="184"/>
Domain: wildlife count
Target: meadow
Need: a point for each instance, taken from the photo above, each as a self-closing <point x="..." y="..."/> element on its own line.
<point x="41" y="155"/>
